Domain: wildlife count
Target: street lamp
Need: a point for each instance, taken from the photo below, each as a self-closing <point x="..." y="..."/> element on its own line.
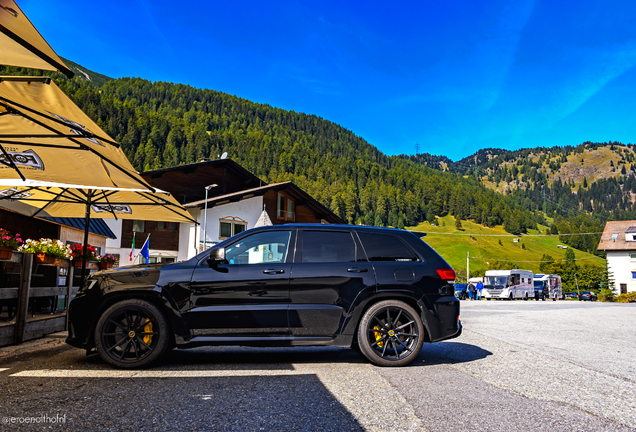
<point x="205" y="216"/>
<point x="577" y="285"/>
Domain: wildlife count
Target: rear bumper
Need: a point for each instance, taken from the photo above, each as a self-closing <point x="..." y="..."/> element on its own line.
<point x="455" y="335"/>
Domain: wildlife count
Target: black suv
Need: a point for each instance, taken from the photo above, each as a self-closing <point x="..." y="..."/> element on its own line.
<point x="382" y="290"/>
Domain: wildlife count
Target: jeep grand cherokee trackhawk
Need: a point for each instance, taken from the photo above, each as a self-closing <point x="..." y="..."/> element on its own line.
<point x="382" y="290"/>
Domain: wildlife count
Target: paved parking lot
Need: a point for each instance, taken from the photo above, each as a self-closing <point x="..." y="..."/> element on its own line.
<point x="536" y="366"/>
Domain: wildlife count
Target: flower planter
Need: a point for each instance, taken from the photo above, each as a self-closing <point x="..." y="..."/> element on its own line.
<point x="104" y="265"/>
<point x="43" y="258"/>
<point x="78" y="263"/>
<point x="6" y="253"/>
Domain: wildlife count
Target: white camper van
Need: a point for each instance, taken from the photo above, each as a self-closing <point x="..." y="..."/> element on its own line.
<point x="547" y="286"/>
<point x="508" y="284"/>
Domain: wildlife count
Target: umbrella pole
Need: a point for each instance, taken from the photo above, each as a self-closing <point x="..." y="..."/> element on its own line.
<point x="87" y="219"/>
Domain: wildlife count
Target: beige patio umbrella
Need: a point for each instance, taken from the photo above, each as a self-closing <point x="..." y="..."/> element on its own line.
<point x="22" y="45"/>
<point x="44" y="136"/>
<point x="55" y="161"/>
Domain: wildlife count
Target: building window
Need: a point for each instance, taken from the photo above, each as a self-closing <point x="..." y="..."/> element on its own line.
<point x="623" y="288"/>
<point x="159" y="259"/>
<point x="285" y="208"/>
<point x="634" y="275"/>
<point x="230" y="226"/>
<point x="167" y="226"/>
<point x="632" y="256"/>
<point x="139" y="226"/>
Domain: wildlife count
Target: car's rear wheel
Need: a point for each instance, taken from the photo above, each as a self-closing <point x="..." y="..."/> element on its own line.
<point x="391" y="333"/>
<point x="131" y="334"/>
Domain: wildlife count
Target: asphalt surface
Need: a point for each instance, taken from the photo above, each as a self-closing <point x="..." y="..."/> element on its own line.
<point x="527" y="366"/>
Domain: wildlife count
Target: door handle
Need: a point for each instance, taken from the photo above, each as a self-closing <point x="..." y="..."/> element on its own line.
<point x="357" y="270"/>
<point x="272" y="271"/>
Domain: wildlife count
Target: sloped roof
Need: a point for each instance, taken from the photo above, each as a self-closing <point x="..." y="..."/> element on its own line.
<point x="302" y="198"/>
<point x="620" y="228"/>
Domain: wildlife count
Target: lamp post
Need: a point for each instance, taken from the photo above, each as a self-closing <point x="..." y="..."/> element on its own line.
<point x="205" y="216"/>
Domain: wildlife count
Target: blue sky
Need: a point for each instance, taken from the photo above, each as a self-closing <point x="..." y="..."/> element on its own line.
<point x="453" y="76"/>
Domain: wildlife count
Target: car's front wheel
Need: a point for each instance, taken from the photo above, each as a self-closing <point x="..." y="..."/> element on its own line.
<point x="131" y="334"/>
<point x="391" y="333"/>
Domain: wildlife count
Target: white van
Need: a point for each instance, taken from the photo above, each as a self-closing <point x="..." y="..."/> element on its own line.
<point x="547" y="286"/>
<point x="508" y="284"/>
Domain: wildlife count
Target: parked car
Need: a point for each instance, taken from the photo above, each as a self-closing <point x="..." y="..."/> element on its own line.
<point x="570" y="295"/>
<point x="382" y="290"/>
<point x="587" y="295"/>
<point x="460" y="291"/>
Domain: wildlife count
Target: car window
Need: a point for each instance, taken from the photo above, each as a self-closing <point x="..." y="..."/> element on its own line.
<point x="328" y="246"/>
<point x="381" y="247"/>
<point x="263" y="247"/>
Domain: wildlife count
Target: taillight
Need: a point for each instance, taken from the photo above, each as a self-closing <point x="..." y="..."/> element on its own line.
<point x="446" y="274"/>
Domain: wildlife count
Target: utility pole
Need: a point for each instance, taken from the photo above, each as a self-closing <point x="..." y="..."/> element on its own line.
<point x="417" y="148"/>
<point x="467" y="266"/>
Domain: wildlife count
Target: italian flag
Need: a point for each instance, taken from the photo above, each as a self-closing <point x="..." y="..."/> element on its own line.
<point x="132" y="252"/>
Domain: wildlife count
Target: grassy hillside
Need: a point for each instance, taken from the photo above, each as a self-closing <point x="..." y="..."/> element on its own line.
<point x="453" y="248"/>
<point x="81" y="72"/>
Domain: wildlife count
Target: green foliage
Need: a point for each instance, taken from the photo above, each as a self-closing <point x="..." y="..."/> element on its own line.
<point x="458" y="224"/>
<point x="626" y="298"/>
<point x="606" y="295"/>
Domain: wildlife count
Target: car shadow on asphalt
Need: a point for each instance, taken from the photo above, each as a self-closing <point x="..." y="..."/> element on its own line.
<point x="249" y="358"/>
<point x="440" y="353"/>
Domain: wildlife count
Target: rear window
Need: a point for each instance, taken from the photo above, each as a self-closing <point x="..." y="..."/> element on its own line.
<point x="328" y="246"/>
<point x="380" y="247"/>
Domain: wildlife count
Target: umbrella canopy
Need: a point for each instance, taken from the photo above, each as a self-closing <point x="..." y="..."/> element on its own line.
<point x="103" y="204"/>
<point x="22" y="45"/>
<point x="45" y="137"/>
<point x="263" y="220"/>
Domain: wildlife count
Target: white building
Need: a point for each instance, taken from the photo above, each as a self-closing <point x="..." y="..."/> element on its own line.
<point x="236" y="200"/>
<point x="619" y="241"/>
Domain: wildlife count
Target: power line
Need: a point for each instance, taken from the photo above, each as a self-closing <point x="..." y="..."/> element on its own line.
<point x="517" y="261"/>
<point x="513" y="235"/>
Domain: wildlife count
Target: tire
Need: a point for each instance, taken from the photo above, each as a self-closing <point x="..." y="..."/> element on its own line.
<point x="488" y="298"/>
<point x="380" y="338"/>
<point x="510" y="298"/>
<point x="132" y="334"/>
<point x="543" y="297"/>
<point x="526" y="297"/>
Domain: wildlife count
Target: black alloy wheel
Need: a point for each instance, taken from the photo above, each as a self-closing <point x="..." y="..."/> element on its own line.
<point x="391" y="333"/>
<point x="131" y="334"/>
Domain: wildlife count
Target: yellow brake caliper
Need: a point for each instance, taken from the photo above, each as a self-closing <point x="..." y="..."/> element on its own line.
<point x="378" y="336"/>
<point x="148" y="329"/>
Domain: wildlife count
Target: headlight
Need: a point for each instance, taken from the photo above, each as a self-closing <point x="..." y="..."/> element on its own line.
<point x="87" y="284"/>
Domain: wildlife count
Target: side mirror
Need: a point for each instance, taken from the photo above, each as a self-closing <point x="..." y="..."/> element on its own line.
<point x="217" y="256"/>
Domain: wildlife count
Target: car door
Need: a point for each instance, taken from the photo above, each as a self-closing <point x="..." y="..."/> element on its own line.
<point x="328" y="273"/>
<point x="249" y="292"/>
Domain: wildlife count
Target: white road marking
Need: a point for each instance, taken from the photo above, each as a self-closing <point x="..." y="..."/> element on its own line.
<point x="65" y="373"/>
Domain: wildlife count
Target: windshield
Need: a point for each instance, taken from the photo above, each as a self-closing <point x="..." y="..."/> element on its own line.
<point x="496" y="280"/>
<point x="538" y="284"/>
